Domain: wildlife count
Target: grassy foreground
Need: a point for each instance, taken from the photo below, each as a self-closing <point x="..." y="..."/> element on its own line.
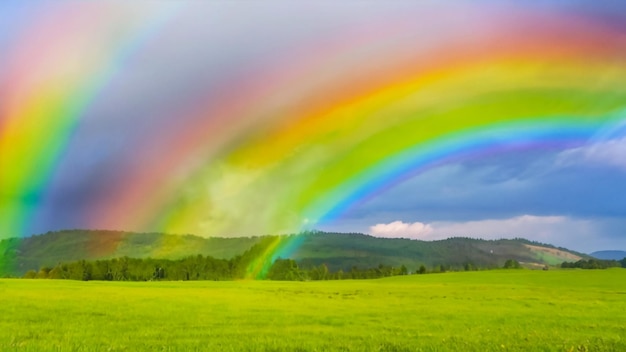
<point x="517" y="310"/>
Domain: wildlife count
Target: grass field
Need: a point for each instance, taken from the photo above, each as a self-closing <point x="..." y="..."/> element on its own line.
<point x="516" y="310"/>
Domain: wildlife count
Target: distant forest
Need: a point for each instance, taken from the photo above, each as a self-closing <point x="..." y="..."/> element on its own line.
<point x="594" y="264"/>
<point x="201" y="267"/>
<point x="340" y="253"/>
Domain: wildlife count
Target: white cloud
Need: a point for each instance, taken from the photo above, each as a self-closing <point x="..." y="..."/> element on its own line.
<point x="541" y="228"/>
<point x="399" y="229"/>
<point x="556" y="230"/>
<point x="609" y="152"/>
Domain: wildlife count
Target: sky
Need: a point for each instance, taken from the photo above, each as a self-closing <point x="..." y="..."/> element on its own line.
<point x="422" y="120"/>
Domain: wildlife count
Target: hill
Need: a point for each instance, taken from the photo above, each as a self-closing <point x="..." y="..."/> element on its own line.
<point x="71" y="245"/>
<point x="336" y="250"/>
<point x="609" y="255"/>
<point x="342" y="251"/>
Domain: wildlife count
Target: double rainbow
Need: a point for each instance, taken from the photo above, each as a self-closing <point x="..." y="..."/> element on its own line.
<point x="319" y="129"/>
<point x="369" y="127"/>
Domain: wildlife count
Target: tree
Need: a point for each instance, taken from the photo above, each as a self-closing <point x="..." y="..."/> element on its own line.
<point x="422" y="269"/>
<point x="159" y="273"/>
<point x="319" y="272"/>
<point x="55" y="273"/>
<point x="30" y="274"/>
<point x="354" y="272"/>
<point x="512" y="264"/>
<point x="43" y="273"/>
<point x="285" y="269"/>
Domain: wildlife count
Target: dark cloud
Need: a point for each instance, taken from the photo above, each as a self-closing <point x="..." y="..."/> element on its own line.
<point x="505" y="186"/>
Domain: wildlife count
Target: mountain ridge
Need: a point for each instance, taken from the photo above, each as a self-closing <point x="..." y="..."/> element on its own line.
<point x="339" y="251"/>
<point x="609" y="254"/>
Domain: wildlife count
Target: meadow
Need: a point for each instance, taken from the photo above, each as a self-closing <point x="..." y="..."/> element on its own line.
<point x="500" y="310"/>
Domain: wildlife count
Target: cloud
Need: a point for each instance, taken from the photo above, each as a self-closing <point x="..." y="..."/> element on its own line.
<point x="399" y="229"/>
<point x="539" y="228"/>
<point x="577" y="234"/>
<point x="610" y="152"/>
<point x="501" y="187"/>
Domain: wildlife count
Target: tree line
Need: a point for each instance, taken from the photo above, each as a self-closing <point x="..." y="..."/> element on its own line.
<point x="288" y="270"/>
<point x="147" y="269"/>
<point x="201" y="267"/>
<point x="595" y="264"/>
<point x="208" y="268"/>
<point x="196" y="268"/>
<point x="338" y="251"/>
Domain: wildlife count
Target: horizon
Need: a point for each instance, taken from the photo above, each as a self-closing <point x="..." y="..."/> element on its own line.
<point x="316" y="231"/>
<point x="424" y="120"/>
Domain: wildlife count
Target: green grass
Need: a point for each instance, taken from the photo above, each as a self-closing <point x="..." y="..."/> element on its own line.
<point x="516" y="310"/>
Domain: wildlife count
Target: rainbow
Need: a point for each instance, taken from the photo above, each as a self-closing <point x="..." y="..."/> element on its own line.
<point x="274" y="247"/>
<point x="317" y="160"/>
<point x="48" y="89"/>
<point x="319" y="129"/>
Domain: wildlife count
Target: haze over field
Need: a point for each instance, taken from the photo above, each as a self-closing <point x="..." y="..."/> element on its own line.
<point x="420" y="120"/>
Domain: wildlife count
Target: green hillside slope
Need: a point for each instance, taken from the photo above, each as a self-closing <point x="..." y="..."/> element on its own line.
<point x="342" y="251"/>
<point x="21" y="255"/>
<point x="336" y="250"/>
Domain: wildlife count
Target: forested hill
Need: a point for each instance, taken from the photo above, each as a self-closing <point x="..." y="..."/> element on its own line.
<point x="609" y="255"/>
<point x="337" y="251"/>
<point x="343" y="251"/>
<point x="70" y="245"/>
